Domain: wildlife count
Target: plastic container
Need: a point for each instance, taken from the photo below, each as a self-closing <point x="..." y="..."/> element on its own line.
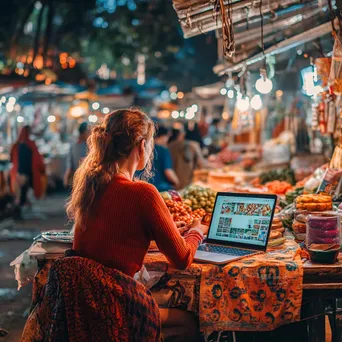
<point x="323" y="238"/>
<point x="323" y="230"/>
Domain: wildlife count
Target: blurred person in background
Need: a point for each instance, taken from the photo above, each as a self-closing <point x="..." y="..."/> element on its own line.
<point x="192" y="132"/>
<point x="77" y="152"/>
<point x="186" y="156"/>
<point x="164" y="177"/>
<point x="203" y="125"/>
<point x="217" y="135"/>
<point x="28" y="170"/>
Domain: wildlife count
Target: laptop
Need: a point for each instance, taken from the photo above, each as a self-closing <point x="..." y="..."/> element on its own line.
<point x="240" y="226"/>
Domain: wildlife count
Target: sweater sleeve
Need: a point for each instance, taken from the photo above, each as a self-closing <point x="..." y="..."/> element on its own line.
<point x="178" y="250"/>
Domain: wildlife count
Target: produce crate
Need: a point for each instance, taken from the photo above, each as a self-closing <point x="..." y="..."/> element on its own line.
<point x="201" y="175"/>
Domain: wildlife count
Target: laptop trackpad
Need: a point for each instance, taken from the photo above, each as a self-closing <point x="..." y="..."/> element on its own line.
<point x="214" y="257"/>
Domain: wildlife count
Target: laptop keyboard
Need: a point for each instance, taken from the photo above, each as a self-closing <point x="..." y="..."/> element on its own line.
<point x="224" y="250"/>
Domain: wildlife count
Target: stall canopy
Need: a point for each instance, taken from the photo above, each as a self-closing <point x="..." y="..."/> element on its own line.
<point x="249" y="31"/>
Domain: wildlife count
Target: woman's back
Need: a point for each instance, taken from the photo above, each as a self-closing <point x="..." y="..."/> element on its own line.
<point x="116" y="234"/>
<point x="126" y="218"/>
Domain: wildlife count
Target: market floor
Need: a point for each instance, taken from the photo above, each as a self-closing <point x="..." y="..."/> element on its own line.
<point x="14" y="305"/>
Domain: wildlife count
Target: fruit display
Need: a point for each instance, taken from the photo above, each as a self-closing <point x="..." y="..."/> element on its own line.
<point x="278" y="187"/>
<point x="198" y="197"/>
<point x="286" y="175"/>
<point x="227" y="157"/>
<point x="171" y="195"/>
<point x="206" y="219"/>
<point x="198" y="213"/>
<point x="180" y="211"/>
<point x="166" y="195"/>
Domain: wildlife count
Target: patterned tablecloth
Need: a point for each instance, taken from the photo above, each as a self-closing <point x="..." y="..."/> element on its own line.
<point x="258" y="293"/>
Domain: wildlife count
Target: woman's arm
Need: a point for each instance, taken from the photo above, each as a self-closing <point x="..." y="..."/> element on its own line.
<point x="157" y="218"/>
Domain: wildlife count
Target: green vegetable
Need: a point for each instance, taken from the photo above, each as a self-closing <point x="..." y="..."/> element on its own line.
<point x="286" y="175"/>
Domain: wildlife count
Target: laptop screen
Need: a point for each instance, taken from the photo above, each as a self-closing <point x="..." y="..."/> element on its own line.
<point x="242" y="218"/>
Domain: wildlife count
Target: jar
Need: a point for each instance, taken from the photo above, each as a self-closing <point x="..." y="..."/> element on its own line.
<point x="323" y="230"/>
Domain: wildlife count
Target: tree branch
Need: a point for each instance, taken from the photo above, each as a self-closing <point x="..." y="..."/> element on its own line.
<point x="37" y="36"/>
<point x="48" y="30"/>
<point x="16" y="36"/>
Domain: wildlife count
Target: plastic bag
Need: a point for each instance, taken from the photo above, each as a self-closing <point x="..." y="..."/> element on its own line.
<point x="148" y="279"/>
<point x="24" y="269"/>
<point x="330" y="181"/>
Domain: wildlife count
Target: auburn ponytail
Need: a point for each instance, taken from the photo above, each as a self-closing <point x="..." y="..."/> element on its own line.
<point x="108" y="143"/>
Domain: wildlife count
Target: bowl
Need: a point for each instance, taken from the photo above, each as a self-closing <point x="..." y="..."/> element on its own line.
<point x="324" y="257"/>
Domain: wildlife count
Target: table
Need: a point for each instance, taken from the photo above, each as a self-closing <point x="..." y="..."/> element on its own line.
<point x="322" y="286"/>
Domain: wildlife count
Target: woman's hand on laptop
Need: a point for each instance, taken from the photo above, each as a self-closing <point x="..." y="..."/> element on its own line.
<point x="198" y="225"/>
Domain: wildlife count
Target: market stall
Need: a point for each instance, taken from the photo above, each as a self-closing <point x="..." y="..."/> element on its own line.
<point x="221" y="297"/>
<point x="290" y="283"/>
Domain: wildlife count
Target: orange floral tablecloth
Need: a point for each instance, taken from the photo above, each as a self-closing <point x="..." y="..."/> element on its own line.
<point x="258" y="293"/>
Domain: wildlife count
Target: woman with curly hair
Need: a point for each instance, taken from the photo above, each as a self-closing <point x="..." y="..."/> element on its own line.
<point x="116" y="217"/>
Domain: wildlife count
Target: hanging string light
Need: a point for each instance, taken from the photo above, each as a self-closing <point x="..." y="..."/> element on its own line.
<point x="263" y="85"/>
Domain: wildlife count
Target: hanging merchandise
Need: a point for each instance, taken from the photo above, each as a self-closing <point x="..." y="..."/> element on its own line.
<point x="321" y="117"/>
<point x="335" y="77"/>
<point x="331" y="121"/>
<point x="315" y="115"/>
<point x="227" y="27"/>
<point x="323" y="66"/>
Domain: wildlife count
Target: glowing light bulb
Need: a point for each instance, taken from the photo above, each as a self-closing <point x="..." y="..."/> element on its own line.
<point x="20" y="119"/>
<point x="173" y="96"/>
<point x="92" y="118"/>
<point x="51" y="118"/>
<point x="194" y="107"/>
<point x="95" y="105"/>
<point x="105" y="110"/>
<point x="256" y="102"/>
<point x="279" y="93"/>
<point x="190" y="115"/>
<point x="230" y="94"/>
<point x="242" y="104"/>
<point x="76" y="111"/>
<point x="175" y="114"/>
<point x="12" y="100"/>
<point x="223" y="91"/>
<point x="264" y="85"/>
<point x="9" y="107"/>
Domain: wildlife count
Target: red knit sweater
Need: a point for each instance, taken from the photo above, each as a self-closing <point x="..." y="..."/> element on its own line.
<point x="127" y="217"/>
